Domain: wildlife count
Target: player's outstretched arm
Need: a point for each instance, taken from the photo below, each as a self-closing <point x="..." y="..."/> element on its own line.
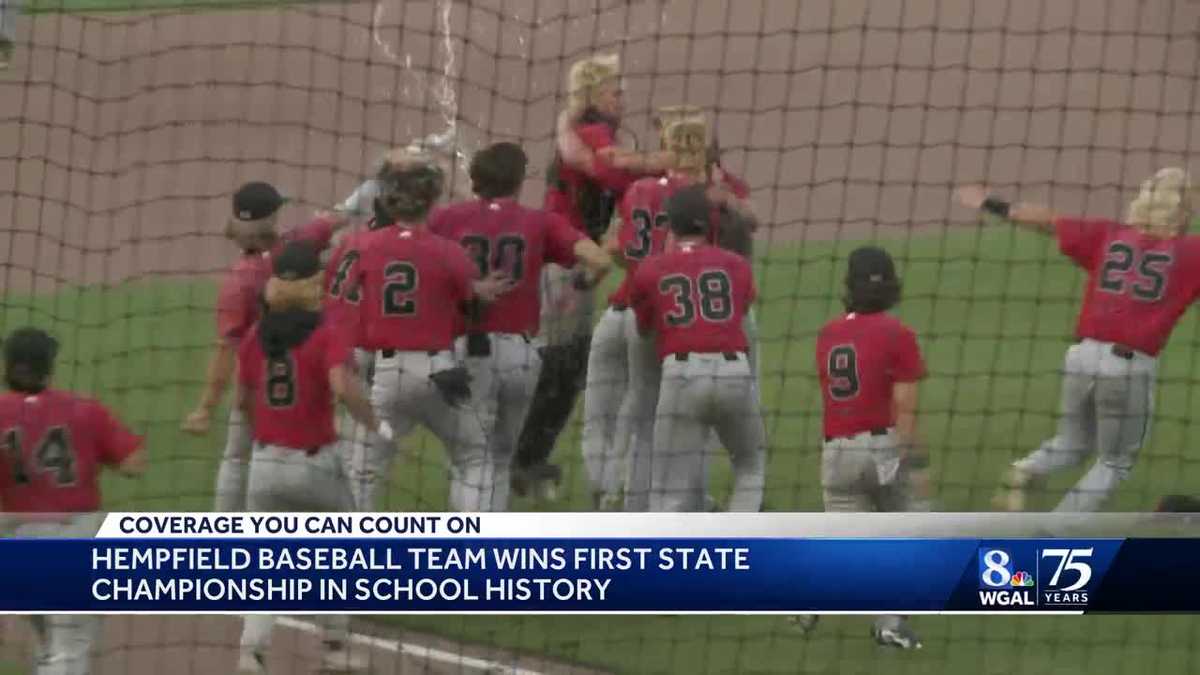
<point x="134" y="464"/>
<point x="349" y="390"/>
<point x="596" y="262"/>
<point x="1035" y="217"/>
<point x="216" y="379"/>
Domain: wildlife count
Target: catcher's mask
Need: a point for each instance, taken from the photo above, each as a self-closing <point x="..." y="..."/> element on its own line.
<point x="688" y="139"/>
<point x="871" y="282"/>
<point x="409" y="186"/>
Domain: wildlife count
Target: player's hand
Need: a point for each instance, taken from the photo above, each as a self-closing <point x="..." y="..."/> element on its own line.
<point x="197" y="422"/>
<point x="972" y="196"/>
<point x="386" y="432"/>
<point x="493" y="286"/>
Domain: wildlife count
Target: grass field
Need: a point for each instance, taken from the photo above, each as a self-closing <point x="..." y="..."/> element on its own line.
<point x="994" y="309"/>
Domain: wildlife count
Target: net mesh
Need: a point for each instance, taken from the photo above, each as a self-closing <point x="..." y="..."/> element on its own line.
<point x="125" y="127"/>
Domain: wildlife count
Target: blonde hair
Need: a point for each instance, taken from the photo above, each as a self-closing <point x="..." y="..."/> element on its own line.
<point x="588" y="76"/>
<point x="1164" y="203"/>
<point x="285" y="294"/>
<point x="687" y="138"/>
<point x="253" y="235"/>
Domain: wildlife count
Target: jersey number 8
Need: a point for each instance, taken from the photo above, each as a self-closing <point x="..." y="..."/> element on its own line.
<point x="715" y="297"/>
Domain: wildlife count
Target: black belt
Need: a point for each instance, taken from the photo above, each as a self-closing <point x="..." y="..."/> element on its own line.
<point x="619" y="306"/>
<point x="874" y="432"/>
<point x="1122" y="352"/>
<point x="389" y="353"/>
<point x="480" y="344"/>
<point x="729" y="356"/>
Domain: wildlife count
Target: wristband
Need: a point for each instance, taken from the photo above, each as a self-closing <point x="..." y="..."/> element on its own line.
<point x="996" y="206"/>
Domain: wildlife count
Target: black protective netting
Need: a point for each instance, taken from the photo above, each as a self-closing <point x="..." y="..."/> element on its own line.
<point x="124" y="133"/>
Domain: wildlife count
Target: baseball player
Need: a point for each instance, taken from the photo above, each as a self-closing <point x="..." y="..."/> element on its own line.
<point x="1142" y="275"/>
<point x="407" y="288"/>
<point x="586" y="179"/>
<point x="292" y="366"/>
<point x="55" y="444"/>
<point x="694" y="297"/>
<point x="869" y="364"/>
<point x="499" y="348"/>
<point x="253" y="228"/>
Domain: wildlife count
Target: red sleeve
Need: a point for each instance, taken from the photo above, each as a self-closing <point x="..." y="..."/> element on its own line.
<point x="319" y="232"/>
<point x="1080" y="239"/>
<point x="748" y="278"/>
<point x="641" y="296"/>
<point x="737" y="186"/>
<point x="597" y="137"/>
<point x="907" y="365"/>
<point x="560" y="240"/>
<point x="236" y="307"/>
<point x="438" y="223"/>
<point x="337" y="348"/>
<point x="114" y="442"/>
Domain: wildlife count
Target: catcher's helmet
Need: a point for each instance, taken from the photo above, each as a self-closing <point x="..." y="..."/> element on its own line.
<point x="687" y="137"/>
<point x="410" y="183"/>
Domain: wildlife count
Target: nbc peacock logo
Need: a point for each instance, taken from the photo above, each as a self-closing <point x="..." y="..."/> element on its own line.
<point x="1022" y="578"/>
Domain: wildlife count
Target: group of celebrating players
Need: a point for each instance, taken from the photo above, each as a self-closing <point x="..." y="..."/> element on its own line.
<point x="474" y="320"/>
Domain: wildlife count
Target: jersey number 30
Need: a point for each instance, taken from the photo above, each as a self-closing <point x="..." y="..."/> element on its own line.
<point x="54" y="455"/>
<point x="715" y="297"/>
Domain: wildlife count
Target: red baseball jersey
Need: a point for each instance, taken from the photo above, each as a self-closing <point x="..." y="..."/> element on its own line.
<point x="1138" y="286"/>
<point x="337" y="271"/>
<point x="293" y="403"/>
<point x="503" y="235"/>
<point x="694" y="296"/>
<point x="237" y="299"/>
<point x="561" y="198"/>
<point x="54" y="445"/>
<point x="859" y="358"/>
<point x="406" y="288"/>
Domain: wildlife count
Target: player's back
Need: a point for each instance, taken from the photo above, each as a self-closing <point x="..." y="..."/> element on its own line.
<point x="696" y="295"/>
<point x="54" y="444"/>
<point x="409" y="286"/>
<point x="1138" y="285"/>
<point x="293" y="401"/>
<point x="860" y="358"/>
<point x="502" y="235"/>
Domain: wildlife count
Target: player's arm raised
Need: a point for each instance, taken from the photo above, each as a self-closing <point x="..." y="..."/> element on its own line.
<point x="1036" y="217"/>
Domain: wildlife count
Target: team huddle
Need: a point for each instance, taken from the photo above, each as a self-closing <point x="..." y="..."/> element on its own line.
<point x="474" y="320"/>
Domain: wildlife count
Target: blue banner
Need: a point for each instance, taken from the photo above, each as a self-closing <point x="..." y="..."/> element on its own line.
<point x="599" y="575"/>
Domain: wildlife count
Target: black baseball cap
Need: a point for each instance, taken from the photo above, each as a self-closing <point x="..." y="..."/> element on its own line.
<point x="689" y="211"/>
<point x="31" y="347"/>
<point x="256" y="200"/>
<point x="297" y="260"/>
<point x="871" y="264"/>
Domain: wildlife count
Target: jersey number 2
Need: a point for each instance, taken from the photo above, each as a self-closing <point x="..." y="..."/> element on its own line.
<point x="843" y="372"/>
<point x="54" y="455"/>
<point x="1151" y="268"/>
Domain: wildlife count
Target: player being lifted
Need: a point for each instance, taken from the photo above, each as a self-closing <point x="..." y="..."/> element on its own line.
<point x="587" y="177"/>
<point x="869" y="364"/>
<point x="253" y="228"/>
<point x="55" y="444"/>
<point x="407" y="289"/>
<point x="1142" y="275"/>
<point x="502" y="236"/>
<point x="694" y="297"/>
<point x="293" y="366"/>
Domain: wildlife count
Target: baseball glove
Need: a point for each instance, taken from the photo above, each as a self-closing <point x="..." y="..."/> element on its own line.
<point x="454" y="385"/>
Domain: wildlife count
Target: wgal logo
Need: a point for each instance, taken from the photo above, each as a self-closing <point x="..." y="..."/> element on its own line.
<point x="1000" y="585"/>
<point x="1069" y="574"/>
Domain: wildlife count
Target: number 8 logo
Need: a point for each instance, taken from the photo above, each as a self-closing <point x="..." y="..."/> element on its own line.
<point x="996" y="562"/>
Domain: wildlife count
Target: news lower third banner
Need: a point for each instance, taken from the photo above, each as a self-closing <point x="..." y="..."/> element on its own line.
<point x="619" y="563"/>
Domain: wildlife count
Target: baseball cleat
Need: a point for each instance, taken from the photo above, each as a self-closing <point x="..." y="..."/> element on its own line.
<point x="343" y="660"/>
<point x="804" y="623"/>
<point x="251" y="663"/>
<point x="901" y="637"/>
<point x="1013" y="487"/>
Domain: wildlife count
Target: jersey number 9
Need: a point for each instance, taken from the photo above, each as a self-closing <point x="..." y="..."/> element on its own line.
<point x="843" y="372"/>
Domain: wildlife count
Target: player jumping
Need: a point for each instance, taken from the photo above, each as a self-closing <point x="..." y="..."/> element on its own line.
<point x="869" y="364"/>
<point x="1142" y="275"/>
<point x="502" y="236"/>
<point x="292" y="368"/>
<point x="253" y="228"/>
<point x="55" y="444"/>
<point x="694" y="297"/>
